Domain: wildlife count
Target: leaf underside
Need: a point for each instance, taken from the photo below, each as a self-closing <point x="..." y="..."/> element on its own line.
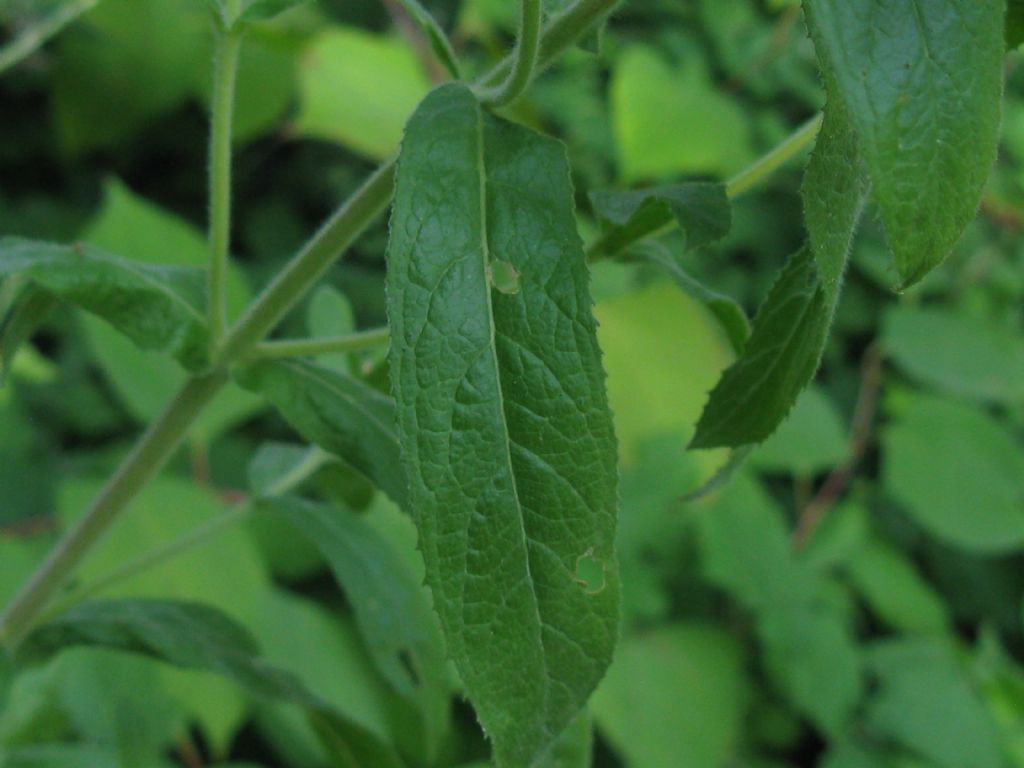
<point x="507" y="439"/>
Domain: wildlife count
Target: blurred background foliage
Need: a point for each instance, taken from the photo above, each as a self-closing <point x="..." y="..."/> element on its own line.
<point x="851" y="599"/>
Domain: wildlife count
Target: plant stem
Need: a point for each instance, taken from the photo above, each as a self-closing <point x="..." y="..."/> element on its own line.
<point x="33" y="38"/>
<point x="284" y="292"/>
<point x="612" y="243"/>
<point x="148" y="457"/>
<point x="315" y="458"/>
<point x="526" y="54"/>
<point x="355" y="342"/>
<point x="766" y="165"/>
<point x="225" y="70"/>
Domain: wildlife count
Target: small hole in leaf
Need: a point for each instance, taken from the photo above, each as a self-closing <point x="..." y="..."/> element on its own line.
<point x="406" y="660"/>
<point x="590" y="572"/>
<point x="503" y="276"/>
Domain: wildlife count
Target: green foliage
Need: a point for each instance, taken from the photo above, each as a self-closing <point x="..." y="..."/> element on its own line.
<point x="264" y="548"/>
<point x="519" y="376"/>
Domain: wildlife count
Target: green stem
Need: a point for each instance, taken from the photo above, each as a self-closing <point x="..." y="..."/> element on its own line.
<point x="284" y="292"/>
<point x="355" y="342"/>
<point x="612" y="242"/>
<point x="303" y="271"/>
<point x="222" y="108"/>
<point x="148" y="457"/>
<point x="315" y="458"/>
<point x="766" y="165"/>
<point x="32" y="39"/>
<point x="526" y="55"/>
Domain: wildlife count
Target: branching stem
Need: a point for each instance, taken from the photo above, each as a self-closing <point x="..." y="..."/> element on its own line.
<point x="526" y="54"/>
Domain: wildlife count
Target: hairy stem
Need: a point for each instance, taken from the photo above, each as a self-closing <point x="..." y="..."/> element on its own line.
<point x="355" y="342"/>
<point x="225" y="73"/>
<point x="526" y="55"/>
<point x="147" y="458"/>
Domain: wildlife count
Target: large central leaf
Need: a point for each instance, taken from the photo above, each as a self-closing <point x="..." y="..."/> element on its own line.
<point x="506" y="435"/>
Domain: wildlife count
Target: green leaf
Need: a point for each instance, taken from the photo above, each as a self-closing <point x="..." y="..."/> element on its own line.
<point x="144" y="381"/>
<point x="701" y="209"/>
<point x="330" y="314"/>
<point x="894" y="589"/>
<point x="927" y="703"/>
<point x="363" y="107"/>
<point x="674" y="696"/>
<point x="507" y="439"/>
<point x="390" y="607"/>
<point x="439" y="42"/>
<point x="757" y="392"/>
<point x="339" y="413"/>
<point x="956" y="353"/>
<point x="673" y="120"/>
<point x="921" y="83"/>
<point x="194" y="636"/>
<point x="958" y="472"/>
<point x="727" y="311"/>
<point x="157" y="307"/>
<point x="808" y="651"/>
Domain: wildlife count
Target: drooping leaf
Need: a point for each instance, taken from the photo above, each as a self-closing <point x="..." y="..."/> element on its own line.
<point x="701" y="209"/>
<point x="507" y="440"/>
<point x="394" y="617"/>
<point x="758" y="391"/>
<point x="958" y="472"/>
<point x="339" y="413"/>
<point x="157" y="307"/>
<point x="921" y="83"/>
<point x="194" y="636"/>
<point x="276" y="467"/>
<point x="439" y="42"/>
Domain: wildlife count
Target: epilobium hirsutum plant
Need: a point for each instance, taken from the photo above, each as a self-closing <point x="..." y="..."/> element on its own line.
<point x="497" y="438"/>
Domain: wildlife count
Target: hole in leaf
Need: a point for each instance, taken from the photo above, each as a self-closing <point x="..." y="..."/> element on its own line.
<point x="590" y="572"/>
<point x="406" y="660"/>
<point x="503" y="276"/>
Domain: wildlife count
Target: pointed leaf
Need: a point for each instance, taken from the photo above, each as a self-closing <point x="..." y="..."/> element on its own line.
<point x="390" y="607"/>
<point x="157" y="307"/>
<point x="507" y="439"/>
<point x="701" y="208"/>
<point x="757" y="392"/>
<point x="921" y="81"/>
<point x="339" y="413"/>
<point x="194" y="636"/>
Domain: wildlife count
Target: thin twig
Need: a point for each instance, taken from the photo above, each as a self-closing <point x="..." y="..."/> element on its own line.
<point x="860" y="438"/>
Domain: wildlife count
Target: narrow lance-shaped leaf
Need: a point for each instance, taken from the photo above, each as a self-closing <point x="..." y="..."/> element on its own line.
<point x="339" y="413"/>
<point x="195" y="636"/>
<point x="507" y="439"/>
<point x="756" y="393"/>
<point x="921" y="82"/>
<point x="390" y="607"/>
<point x="157" y="307"/>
